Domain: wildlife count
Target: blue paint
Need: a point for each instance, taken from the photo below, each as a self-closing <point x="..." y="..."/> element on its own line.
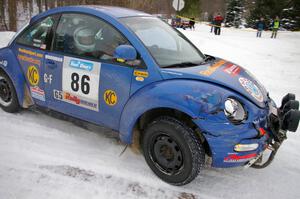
<point x="184" y="89"/>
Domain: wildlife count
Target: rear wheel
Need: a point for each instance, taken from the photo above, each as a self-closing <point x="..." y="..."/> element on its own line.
<point x="172" y="151"/>
<point x="8" y="97"/>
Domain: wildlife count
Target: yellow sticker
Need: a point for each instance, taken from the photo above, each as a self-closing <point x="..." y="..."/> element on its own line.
<point x="32" y="53"/>
<point x="110" y="97"/>
<point x="211" y="69"/>
<point x="140" y="73"/>
<point x="33" y="75"/>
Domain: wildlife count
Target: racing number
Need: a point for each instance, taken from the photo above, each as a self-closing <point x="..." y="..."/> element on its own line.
<point x="84" y="83"/>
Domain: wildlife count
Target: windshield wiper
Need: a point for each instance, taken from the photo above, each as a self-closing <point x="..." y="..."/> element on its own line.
<point x="182" y="65"/>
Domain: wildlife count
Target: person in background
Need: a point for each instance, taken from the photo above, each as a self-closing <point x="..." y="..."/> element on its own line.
<point x="218" y="22"/>
<point x="275" y="27"/>
<point x="260" y="25"/>
<point x="192" y="23"/>
<point x="212" y="24"/>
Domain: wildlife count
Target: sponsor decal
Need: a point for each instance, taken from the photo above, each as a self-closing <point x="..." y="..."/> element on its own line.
<point x="236" y="158"/>
<point x="75" y="100"/>
<point x="211" y="69"/>
<point x="83" y="65"/>
<point x="48" y="78"/>
<point x="3" y="63"/>
<point x="139" y="79"/>
<point x="29" y="52"/>
<point x="251" y="88"/>
<point x="110" y="97"/>
<point x="37" y="93"/>
<point x="81" y="78"/>
<point x="140" y="73"/>
<point x="71" y="98"/>
<point x="54" y="58"/>
<point x="29" y="60"/>
<point x="232" y="69"/>
<point x="33" y="75"/>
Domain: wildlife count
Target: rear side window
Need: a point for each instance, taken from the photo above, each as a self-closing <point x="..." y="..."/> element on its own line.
<point x="87" y="36"/>
<point x="38" y="34"/>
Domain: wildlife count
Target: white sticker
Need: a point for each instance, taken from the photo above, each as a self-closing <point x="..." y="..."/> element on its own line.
<point x="3" y="63"/>
<point x="53" y="58"/>
<point x="81" y="79"/>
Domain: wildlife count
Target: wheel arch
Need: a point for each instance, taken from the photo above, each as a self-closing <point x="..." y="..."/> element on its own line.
<point x="150" y="115"/>
<point x="16" y="75"/>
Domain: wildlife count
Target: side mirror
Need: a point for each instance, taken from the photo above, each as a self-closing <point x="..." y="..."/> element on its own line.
<point x="125" y="53"/>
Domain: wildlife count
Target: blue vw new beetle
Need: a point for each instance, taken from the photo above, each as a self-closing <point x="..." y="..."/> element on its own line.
<point x="135" y="74"/>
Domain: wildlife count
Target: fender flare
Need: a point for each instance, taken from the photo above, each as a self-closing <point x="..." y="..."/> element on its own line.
<point x="178" y="94"/>
<point x="15" y="73"/>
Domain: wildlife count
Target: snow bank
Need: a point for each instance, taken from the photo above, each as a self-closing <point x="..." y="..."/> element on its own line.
<point x="43" y="157"/>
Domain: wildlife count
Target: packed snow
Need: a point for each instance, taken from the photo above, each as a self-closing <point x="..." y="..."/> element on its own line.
<point x="45" y="157"/>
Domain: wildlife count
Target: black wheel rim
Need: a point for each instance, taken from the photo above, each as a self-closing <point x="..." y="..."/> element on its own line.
<point x="5" y="91"/>
<point x="166" y="154"/>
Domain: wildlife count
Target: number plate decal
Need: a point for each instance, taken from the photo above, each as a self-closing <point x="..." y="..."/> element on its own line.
<point x="80" y="79"/>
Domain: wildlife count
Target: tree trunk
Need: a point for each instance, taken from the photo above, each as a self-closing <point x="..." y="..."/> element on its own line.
<point x="12" y="9"/>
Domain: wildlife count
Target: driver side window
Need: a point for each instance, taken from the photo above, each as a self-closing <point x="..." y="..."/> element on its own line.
<point x="87" y="36"/>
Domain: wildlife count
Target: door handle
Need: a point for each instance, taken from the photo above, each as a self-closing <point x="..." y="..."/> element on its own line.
<point x="51" y="64"/>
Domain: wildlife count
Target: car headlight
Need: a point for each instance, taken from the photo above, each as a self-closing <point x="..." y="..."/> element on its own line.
<point x="234" y="110"/>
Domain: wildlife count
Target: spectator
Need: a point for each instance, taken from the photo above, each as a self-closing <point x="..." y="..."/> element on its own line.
<point x="275" y="27"/>
<point x="218" y="22"/>
<point x="260" y="25"/>
<point x="212" y="24"/>
<point x="192" y="23"/>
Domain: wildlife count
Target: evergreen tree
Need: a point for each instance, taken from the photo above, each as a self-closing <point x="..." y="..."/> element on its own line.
<point x="268" y="9"/>
<point x="291" y="15"/>
<point x="234" y="13"/>
<point x="191" y="8"/>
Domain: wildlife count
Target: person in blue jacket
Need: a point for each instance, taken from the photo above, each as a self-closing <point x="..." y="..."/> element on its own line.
<point x="260" y="25"/>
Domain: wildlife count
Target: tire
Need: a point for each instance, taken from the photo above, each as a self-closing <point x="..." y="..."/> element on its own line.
<point x="172" y="151"/>
<point x="8" y="96"/>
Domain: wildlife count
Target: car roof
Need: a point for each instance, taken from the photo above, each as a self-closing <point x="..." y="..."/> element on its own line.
<point x="115" y="12"/>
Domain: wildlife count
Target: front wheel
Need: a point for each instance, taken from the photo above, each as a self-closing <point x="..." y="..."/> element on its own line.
<point x="8" y="97"/>
<point x="172" y="151"/>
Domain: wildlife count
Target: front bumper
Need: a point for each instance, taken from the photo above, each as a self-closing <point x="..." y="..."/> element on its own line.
<point x="222" y="137"/>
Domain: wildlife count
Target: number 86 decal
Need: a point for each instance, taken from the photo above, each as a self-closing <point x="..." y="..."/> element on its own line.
<point x="82" y="84"/>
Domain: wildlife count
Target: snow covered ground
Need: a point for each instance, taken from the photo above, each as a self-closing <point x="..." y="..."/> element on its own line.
<point x="43" y="157"/>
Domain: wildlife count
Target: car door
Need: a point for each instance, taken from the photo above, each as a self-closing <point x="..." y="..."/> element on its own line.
<point x="83" y="78"/>
<point x="30" y="49"/>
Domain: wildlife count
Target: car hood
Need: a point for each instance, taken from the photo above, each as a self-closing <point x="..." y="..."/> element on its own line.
<point x="224" y="73"/>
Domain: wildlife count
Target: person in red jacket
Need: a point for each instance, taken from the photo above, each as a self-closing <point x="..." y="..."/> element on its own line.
<point x="218" y="22"/>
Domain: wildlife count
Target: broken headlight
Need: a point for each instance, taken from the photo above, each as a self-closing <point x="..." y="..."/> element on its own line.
<point x="234" y="110"/>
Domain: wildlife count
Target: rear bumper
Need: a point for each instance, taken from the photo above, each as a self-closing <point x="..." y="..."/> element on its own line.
<point x="222" y="137"/>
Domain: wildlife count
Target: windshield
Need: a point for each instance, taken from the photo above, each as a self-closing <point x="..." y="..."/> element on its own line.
<point x="168" y="47"/>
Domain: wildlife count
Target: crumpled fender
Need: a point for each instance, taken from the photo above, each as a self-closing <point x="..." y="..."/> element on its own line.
<point x="13" y="70"/>
<point x="198" y="99"/>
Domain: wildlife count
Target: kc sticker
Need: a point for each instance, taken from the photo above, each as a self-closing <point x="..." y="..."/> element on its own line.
<point x="110" y="97"/>
<point x="33" y="75"/>
<point x="3" y="63"/>
<point x="251" y="88"/>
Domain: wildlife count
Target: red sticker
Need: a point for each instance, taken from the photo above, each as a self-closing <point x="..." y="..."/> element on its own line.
<point x="232" y="69"/>
<point x="237" y="158"/>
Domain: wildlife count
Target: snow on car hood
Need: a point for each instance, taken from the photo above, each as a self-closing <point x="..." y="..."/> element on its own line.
<point x="224" y="73"/>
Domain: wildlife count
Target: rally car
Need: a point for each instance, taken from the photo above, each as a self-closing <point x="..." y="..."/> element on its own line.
<point x="131" y="72"/>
